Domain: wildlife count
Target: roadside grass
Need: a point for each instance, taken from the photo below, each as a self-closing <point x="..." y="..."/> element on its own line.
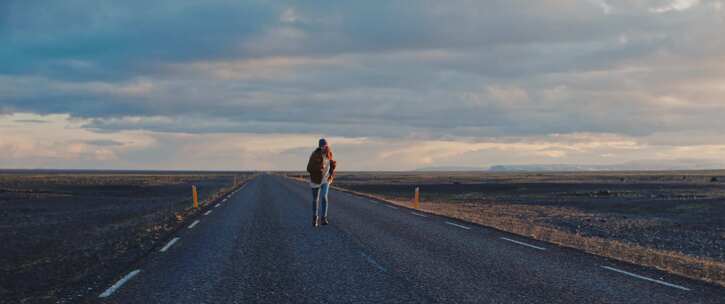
<point x="675" y="262"/>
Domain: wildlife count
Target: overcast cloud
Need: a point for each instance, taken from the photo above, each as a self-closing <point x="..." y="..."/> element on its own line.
<point x="397" y="84"/>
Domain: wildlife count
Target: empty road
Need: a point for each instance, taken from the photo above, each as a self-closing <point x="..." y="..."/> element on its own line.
<point x="259" y="247"/>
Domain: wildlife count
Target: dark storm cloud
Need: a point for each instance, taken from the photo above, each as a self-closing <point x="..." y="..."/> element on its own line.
<point x="111" y="40"/>
<point x="364" y="68"/>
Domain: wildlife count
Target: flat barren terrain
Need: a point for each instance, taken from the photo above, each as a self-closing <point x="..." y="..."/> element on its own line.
<point x="61" y="231"/>
<point x="670" y="220"/>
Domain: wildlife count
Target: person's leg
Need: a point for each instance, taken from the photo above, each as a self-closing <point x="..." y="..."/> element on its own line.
<point x="323" y="199"/>
<point x="315" y="195"/>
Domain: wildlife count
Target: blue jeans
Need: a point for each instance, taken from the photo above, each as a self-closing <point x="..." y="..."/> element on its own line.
<point x="318" y="193"/>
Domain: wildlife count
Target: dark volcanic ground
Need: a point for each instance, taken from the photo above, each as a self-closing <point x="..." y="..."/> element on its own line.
<point x="61" y="231"/>
<point x="676" y="211"/>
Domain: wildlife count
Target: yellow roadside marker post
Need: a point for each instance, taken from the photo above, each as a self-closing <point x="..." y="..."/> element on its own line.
<point x="196" y="196"/>
<point x="416" y="198"/>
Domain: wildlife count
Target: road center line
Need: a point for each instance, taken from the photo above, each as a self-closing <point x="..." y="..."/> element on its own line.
<point x="418" y="214"/>
<point x="118" y="284"/>
<point x="646" y="278"/>
<point x="391" y="207"/>
<point x="373" y="262"/>
<point x="523" y="244"/>
<point x="459" y="226"/>
<point x="207" y="213"/>
<point x="193" y="224"/>
<point x="169" y="244"/>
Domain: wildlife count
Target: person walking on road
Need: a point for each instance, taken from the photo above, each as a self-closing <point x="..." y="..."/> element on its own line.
<point x="321" y="167"/>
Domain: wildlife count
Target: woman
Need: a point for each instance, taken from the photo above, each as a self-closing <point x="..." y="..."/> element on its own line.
<point x="321" y="167"/>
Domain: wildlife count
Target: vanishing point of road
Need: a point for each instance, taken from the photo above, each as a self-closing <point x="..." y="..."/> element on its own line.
<point x="258" y="246"/>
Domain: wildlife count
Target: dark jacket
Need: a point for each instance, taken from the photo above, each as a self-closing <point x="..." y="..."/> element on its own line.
<point x="315" y="166"/>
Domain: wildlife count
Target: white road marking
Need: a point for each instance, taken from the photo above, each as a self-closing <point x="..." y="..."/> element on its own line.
<point x="391" y="207"/>
<point x="522" y="243"/>
<point x="418" y="214"/>
<point x="217" y="205"/>
<point x="224" y="200"/>
<point x="373" y="262"/>
<point x="459" y="226"/>
<point x="207" y="213"/>
<point x="193" y="224"/>
<point x="646" y="278"/>
<point x="118" y="284"/>
<point x="169" y="244"/>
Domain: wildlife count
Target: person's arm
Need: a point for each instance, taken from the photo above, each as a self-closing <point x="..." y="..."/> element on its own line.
<point x="333" y="166"/>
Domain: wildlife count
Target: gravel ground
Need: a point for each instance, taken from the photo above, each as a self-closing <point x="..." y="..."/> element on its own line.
<point x="63" y="233"/>
<point x="675" y="211"/>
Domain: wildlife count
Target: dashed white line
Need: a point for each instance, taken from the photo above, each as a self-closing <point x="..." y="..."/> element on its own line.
<point x="169" y="244"/>
<point x="193" y="224"/>
<point x="459" y="226"/>
<point x="118" y="284"/>
<point x="391" y="207"/>
<point x="217" y="205"/>
<point x="646" y="278"/>
<point x="373" y="262"/>
<point x="418" y="214"/>
<point x="523" y="244"/>
<point x="224" y="200"/>
<point x="207" y="213"/>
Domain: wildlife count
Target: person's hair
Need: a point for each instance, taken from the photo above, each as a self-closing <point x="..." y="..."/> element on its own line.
<point x="329" y="151"/>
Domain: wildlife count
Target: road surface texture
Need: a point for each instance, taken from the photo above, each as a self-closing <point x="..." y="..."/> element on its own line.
<point x="259" y="247"/>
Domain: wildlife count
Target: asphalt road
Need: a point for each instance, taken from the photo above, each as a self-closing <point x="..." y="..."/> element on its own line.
<point x="260" y="247"/>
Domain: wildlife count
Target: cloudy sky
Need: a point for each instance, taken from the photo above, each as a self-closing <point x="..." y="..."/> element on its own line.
<point x="394" y="85"/>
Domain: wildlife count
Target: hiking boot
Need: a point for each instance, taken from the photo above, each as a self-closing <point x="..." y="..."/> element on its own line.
<point x="315" y="221"/>
<point x="324" y="220"/>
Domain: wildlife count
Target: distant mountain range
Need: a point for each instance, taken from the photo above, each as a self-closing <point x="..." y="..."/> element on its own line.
<point x="557" y="167"/>
<point x="451" y="168"/>
<point x="628" y="166"/>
